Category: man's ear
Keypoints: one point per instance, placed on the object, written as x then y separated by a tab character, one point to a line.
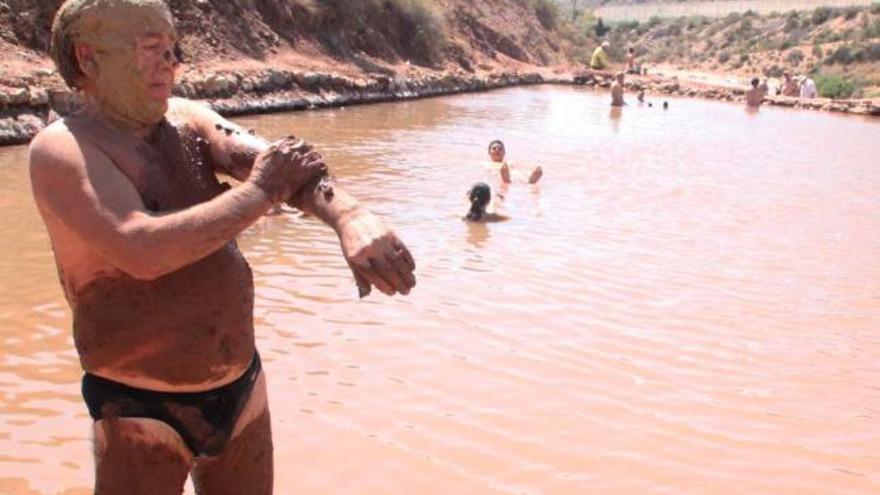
85	58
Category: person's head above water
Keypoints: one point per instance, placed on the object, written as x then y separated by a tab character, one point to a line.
755	82
497	151
120	53
479	195
621	76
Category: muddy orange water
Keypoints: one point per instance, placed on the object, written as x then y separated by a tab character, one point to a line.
689	303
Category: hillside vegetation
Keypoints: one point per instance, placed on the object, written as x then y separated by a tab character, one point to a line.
370	35
838	45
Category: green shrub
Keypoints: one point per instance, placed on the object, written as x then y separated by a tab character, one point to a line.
773	71
792	22
732	18
654	22
872	31
600	28
850	13
834	86
627	26
842	55
818	52
743	58
821	15
871	53
795	57
875	8
724	56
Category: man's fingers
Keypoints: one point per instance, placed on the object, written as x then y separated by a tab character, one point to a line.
401	250
371	274
387	272
401	268
363	284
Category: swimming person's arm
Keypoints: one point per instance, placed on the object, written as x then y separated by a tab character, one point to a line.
373	252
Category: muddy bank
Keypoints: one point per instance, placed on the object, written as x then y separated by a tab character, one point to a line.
656	85
25	111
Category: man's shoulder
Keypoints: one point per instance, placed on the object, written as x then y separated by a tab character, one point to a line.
182	110
54	141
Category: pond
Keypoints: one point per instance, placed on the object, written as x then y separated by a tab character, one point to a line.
689	302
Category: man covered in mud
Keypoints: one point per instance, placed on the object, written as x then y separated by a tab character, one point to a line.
144	240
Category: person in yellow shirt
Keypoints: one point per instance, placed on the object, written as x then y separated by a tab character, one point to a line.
599	60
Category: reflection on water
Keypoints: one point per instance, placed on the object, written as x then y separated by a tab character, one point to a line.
688	303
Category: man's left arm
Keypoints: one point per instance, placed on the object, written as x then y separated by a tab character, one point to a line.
373	251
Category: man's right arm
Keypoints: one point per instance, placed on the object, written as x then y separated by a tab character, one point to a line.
77	185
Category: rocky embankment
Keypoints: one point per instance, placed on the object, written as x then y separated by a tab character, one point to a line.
656	85
24	111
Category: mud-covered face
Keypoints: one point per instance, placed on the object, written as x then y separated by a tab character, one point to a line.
133	63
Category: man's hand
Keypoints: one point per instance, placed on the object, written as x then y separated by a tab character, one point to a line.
375	255
285	167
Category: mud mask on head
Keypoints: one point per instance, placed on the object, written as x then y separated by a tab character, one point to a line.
121	74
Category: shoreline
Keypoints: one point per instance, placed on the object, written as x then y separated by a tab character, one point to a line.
24	111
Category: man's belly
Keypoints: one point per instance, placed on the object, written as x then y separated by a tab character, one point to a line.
189	330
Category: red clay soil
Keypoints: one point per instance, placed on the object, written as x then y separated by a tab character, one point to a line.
348	37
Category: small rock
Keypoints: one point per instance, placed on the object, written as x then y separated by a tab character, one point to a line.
18	96
38	97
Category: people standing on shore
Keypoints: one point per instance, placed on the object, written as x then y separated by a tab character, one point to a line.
506	171
599	60
807	87
144	237
789	86
617	90
755	96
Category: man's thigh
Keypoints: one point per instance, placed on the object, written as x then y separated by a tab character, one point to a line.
246	464
139	456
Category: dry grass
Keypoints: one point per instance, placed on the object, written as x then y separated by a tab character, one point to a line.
717	8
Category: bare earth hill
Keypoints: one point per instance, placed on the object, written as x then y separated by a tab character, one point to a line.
365	35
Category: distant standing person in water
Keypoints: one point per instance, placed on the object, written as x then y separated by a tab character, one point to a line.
144	237
755	96
631	65
508	171
617	90
480	196
599	60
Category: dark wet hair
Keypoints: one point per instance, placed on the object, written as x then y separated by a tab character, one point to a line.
479	196
665	105
755	82
497	141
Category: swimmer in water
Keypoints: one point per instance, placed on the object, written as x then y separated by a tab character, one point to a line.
480	195
506	170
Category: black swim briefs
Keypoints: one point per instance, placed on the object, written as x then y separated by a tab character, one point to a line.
204	420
